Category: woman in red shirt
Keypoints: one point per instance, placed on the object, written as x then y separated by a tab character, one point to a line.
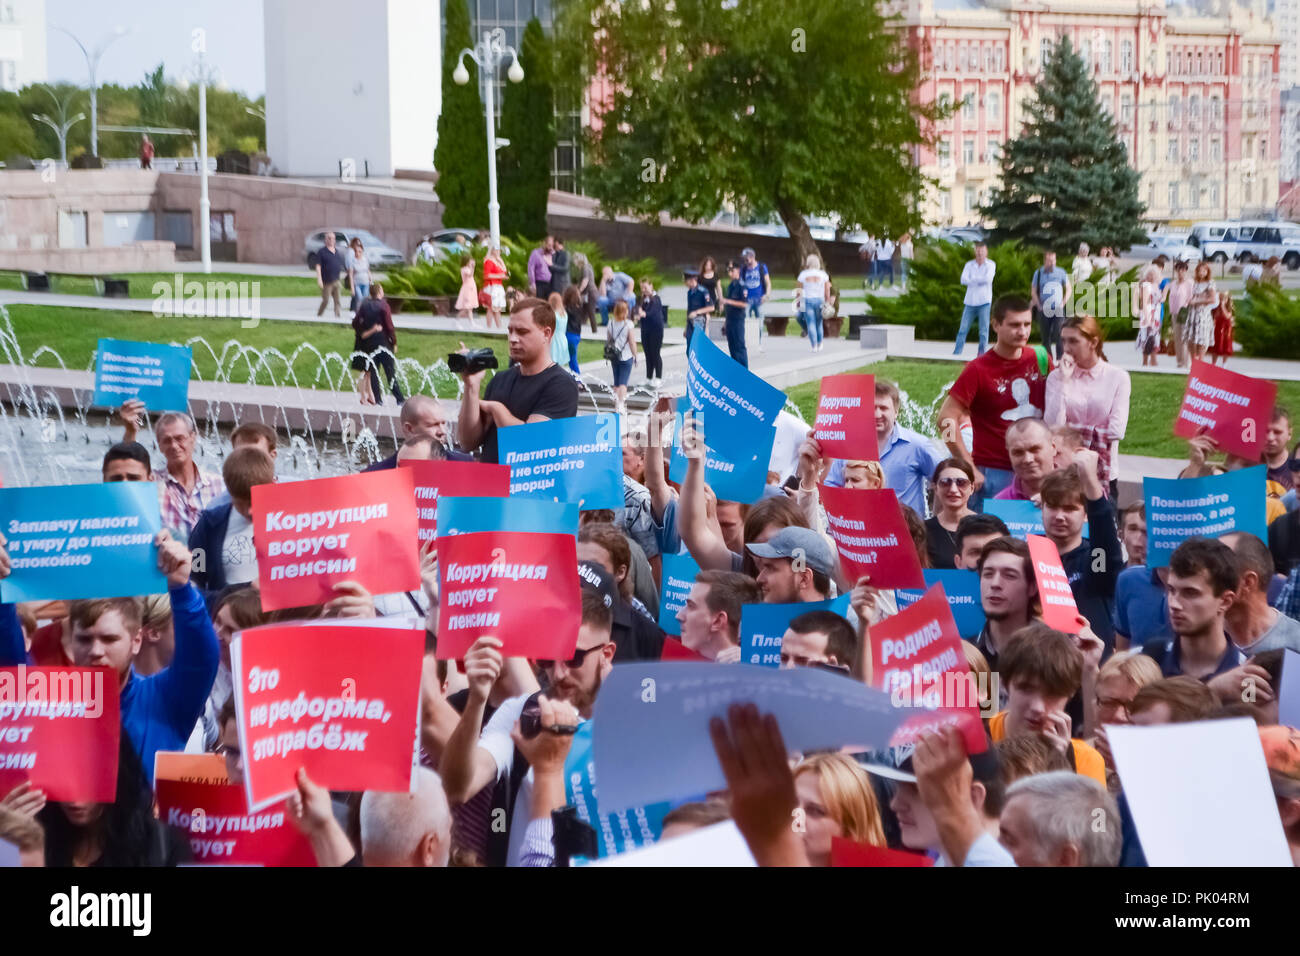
494	274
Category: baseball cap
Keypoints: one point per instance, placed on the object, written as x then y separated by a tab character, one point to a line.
1282	755
896	764
788	542
594	577
690	273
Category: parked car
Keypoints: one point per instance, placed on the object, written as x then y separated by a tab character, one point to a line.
970	234
1248	241
1172	245
378	252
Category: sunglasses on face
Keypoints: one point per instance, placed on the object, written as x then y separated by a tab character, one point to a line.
579	655
953	482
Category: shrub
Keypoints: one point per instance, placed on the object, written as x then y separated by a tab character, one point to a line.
1268	322
933	301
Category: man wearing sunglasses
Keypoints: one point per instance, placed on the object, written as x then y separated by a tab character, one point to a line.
477	756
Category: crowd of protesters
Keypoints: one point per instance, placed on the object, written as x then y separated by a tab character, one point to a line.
1156	645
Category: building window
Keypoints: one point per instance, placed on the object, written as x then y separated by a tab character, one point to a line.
945	154
1126	56
1214	194
1085	51
946	202
1126	107
968	152
1200	63
1044	51
988	59
1106	51
1169	61
1194	149
968	108
994	107
972	201
995	150
1194	110
1218	63
1154	151
1263	148
1216	111
1175	110
948	55
1216	149
1173	196
999	59
1171	155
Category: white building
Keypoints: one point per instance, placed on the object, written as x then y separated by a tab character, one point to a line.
352	86
22	43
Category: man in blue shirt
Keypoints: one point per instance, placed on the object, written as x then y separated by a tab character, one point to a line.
1141	608
1202	585
159	711
614	286
699	303
908	458
758	286
734	302
1049	290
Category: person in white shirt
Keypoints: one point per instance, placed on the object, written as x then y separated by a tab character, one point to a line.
885	260
905	257
813	282
977	277
1081	270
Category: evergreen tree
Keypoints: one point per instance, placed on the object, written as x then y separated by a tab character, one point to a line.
461	154
1066	178
528	121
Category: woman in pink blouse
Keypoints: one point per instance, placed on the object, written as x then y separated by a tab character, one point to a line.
1090	395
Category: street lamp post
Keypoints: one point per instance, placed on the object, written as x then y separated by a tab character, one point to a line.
203	76
490	52
92	63
62	125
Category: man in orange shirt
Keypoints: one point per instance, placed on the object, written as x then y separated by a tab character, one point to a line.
1041	669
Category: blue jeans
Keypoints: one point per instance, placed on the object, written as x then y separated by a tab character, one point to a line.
995	480
605	303
574	339
812	315
622	371
736	340
903	270
886	268
967	313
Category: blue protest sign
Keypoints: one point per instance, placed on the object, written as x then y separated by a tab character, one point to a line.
628	829
576	460
715	382
678	575
1182	508
1020	516
736	456
158	375
470	515
81	541
763	625
963	590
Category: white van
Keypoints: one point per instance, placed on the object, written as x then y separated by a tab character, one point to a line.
1248	241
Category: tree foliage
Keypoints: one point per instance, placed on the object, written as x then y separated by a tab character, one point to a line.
1066	178
798	107
461	153
1268	322
528	121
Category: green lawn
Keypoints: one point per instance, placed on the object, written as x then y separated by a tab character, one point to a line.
1154	403
142	283
74	334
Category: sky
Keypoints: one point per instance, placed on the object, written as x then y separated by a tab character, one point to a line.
160	31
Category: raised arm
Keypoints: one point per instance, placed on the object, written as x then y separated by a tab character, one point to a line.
186	682
472	422
704	543
951	415
661	493
465	767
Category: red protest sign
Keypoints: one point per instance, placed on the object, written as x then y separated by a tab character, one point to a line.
59	730
221	830
917	659
311	535
461	479
871	536
340	701
1232	408
189	768
846	417
1059	609
846	852
518	586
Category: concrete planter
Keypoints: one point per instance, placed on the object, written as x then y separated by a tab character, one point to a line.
776	324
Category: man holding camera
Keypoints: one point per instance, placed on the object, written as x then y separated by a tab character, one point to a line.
533	389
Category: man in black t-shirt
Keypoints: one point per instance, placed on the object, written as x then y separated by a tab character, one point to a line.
535	389
330	266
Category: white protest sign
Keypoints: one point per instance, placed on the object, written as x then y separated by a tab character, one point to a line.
1200	793
651	722
717	845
